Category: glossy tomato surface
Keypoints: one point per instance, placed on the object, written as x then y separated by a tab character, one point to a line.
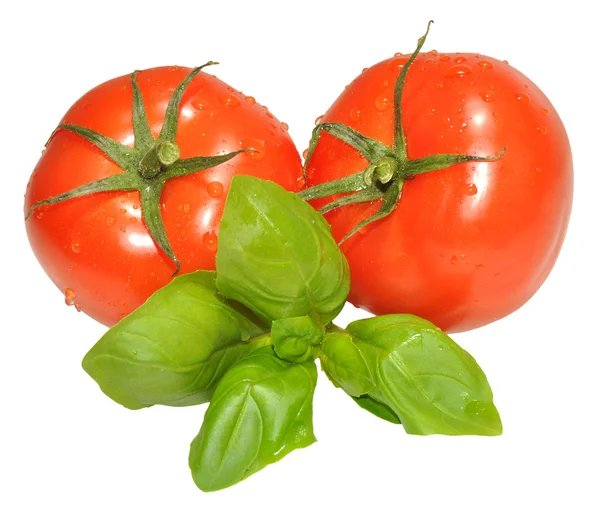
469	244
96	249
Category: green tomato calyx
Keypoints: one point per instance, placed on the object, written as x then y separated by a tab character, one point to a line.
147	166
388	168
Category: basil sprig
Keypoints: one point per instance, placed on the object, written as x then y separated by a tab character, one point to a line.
246	339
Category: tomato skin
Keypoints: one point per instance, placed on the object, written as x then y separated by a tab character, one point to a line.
96	248
469	244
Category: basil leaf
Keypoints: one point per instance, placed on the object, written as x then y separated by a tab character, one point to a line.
260	411
294	338
425	378
277	255
342	361
175	347
376	408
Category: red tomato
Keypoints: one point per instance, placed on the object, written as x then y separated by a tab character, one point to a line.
97	248
471	243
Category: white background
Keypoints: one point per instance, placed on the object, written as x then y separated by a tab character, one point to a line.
65	447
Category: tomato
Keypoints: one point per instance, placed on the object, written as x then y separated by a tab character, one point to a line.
469	243
97	248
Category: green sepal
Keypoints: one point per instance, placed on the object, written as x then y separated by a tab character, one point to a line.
147	166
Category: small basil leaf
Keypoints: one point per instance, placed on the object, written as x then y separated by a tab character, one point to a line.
429	382
294	338
175	347
260	411
277	255
376	408
342	361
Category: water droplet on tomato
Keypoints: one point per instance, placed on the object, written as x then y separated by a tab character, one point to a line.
250	99
382	103
488	96
258	145
485	65
210	240
544	111
478	266
496	273
110	221
186	208
542	130
76	245
285	126
444	58
305	154
453	259
459	59
458	70
123	229
522	98
318	120
123	211
471	189
432	52
69	297
300	183
354	114
397	62
215	189
229	100
199	104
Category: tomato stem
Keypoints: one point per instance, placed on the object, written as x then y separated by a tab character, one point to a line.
389	167
147	166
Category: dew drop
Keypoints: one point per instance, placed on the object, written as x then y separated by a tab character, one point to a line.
210	240
256	144
485	65
123	211
199	104
354	114
444	58
318	120
397	62
123	229
110	221
135	207
453	259
459	59
76	245
285	126
186	208
300	183
471	189
544	111
382	103
458	70
215	189
478	266
69	297
542	130
432	53
305	154
250	99
522	98
229	100
488	96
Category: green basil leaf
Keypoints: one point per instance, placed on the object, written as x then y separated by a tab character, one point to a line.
294	338
342	361
425	378
175	347
277	255
376	408
260	411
